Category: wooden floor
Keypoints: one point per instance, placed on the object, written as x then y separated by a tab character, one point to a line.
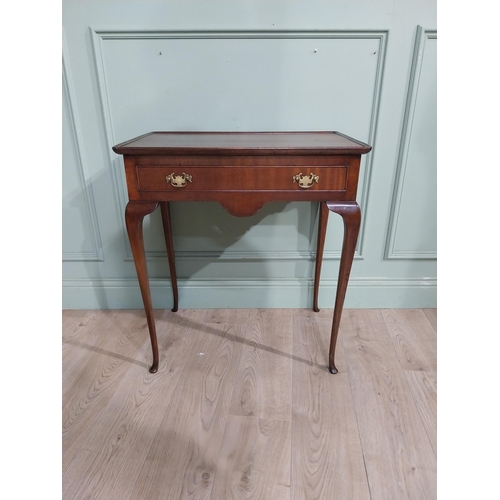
243	406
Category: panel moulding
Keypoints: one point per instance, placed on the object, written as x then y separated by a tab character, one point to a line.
418	55
84	175
100	35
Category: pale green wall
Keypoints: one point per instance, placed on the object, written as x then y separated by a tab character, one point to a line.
366	68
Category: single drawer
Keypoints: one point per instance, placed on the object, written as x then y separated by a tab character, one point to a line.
241	178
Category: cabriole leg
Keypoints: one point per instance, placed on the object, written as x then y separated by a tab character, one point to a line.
134	216
167	229
351	215
322	223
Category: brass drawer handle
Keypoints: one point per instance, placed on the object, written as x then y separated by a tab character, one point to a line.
179	181
305	181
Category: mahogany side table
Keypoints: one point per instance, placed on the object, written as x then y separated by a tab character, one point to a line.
242	171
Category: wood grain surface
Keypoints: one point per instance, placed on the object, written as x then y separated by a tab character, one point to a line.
243	406
327	460
263	387
432	317
182	460
423	386
413	338
255	460
126	427
399	459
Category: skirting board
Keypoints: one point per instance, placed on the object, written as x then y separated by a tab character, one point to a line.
215	294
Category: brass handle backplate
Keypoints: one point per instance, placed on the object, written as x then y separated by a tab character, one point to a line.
306	181
179	181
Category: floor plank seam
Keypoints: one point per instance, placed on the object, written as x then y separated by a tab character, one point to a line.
294	355
392	342
357	425
165	330
218	455
419	415
230	338
430	323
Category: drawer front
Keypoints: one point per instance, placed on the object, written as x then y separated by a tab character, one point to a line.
241	178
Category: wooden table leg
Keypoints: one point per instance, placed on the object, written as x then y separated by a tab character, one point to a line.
167	229
134	215
322	223
351	214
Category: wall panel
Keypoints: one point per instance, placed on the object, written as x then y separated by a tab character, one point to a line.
413	229
80	229
272	81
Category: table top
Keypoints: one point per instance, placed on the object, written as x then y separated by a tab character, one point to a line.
242	143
